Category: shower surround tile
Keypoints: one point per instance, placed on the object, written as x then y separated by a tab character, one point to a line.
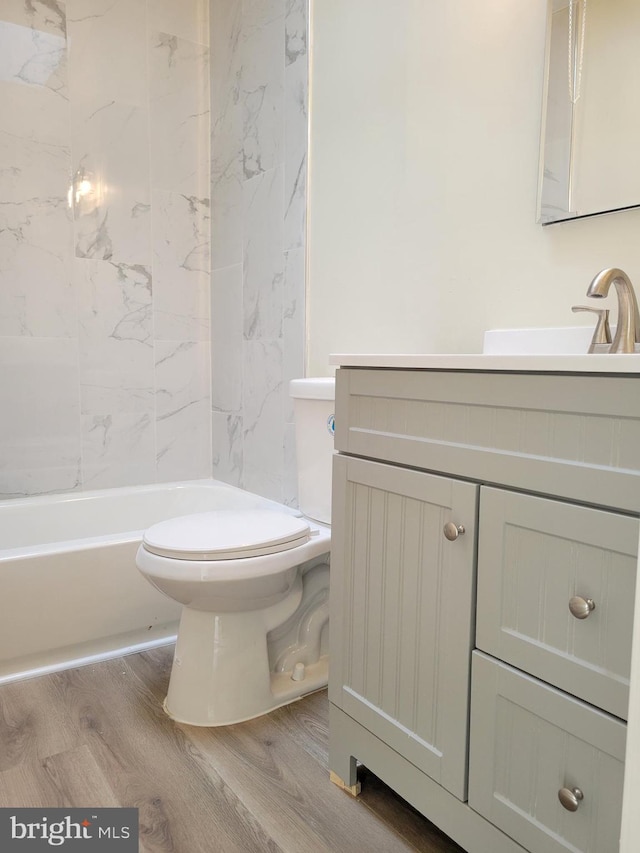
187	19
33	52
296	126
108	53
181	266
263	444
76	301
227	339
227	173
293	326
111	189
258	200
40	441
179	115
45	16
263	256
262	89
116	373
36	296
228	456
183	393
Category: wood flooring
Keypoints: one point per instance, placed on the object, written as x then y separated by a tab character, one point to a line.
97	736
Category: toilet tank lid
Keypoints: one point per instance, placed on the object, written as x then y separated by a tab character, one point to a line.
313	388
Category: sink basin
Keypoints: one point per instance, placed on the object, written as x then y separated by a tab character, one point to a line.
565	340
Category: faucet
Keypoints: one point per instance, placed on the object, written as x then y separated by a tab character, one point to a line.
628	329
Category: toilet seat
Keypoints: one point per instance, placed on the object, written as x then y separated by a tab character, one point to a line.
226	535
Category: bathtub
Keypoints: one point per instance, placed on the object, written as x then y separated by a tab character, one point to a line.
70	593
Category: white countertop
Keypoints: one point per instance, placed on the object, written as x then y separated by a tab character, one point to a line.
547	363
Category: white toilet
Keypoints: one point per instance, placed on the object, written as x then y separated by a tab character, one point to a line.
255	587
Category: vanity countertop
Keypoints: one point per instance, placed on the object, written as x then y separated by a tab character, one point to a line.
540	363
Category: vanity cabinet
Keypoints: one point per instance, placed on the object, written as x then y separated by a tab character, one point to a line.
403	612
484	559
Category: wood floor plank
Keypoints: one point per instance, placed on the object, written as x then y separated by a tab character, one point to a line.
290	796
27	785
31	724
78	778
147	760
98	736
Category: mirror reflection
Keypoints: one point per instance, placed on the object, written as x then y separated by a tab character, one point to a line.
591	120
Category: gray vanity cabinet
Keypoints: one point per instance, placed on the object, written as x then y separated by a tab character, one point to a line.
402	611
504	502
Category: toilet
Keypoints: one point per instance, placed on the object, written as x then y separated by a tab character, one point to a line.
254	585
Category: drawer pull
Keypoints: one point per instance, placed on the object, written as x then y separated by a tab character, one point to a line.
581	607
570	798
452	531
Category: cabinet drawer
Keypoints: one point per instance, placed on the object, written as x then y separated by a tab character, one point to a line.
535	555
528	741
577	437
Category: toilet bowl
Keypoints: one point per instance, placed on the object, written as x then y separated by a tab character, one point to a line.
254	586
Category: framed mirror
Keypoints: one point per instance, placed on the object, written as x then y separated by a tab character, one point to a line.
590	144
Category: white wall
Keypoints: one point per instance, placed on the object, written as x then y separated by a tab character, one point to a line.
425	123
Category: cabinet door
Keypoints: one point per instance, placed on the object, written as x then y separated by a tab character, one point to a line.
402	611
529	743
535	556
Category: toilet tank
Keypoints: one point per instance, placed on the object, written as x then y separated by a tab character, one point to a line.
313	403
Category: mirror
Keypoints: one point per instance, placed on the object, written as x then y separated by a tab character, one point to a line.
591	113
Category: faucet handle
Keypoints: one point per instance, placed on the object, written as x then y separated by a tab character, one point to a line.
602	331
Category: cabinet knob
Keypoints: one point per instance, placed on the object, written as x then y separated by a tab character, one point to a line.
581	607
570	798
452	531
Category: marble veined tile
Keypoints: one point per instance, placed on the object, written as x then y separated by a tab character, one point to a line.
226	428
263	426
226	338
296	121
117	450
33	57
179	115
181	266
107	55
263	256
36	290
47	16
183	410
40	442
262	84
296	31
295	159
116	373
227	172
187	19
289	470
36	233
111	189
293	326
115	333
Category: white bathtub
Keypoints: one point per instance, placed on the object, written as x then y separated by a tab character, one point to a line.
70	593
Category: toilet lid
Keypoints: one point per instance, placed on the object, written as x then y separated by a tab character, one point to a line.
226	535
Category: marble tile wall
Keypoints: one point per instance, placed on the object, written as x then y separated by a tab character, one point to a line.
104	243
258	199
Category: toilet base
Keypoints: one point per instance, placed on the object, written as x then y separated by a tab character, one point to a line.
234	666
284	690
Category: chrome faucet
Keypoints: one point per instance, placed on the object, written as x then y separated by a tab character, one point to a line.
627	336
